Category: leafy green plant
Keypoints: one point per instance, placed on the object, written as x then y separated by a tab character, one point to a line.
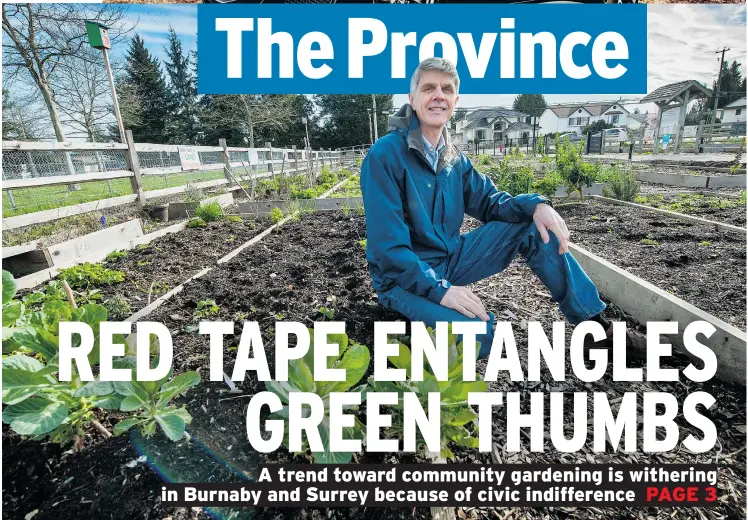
37	404
650	242
511	178
484	160
276	215
118	308
548	184
354	359
569	163
115	255
209	212
83	275
705	243
152	401
742	197
196	222
52	291
234	218
362	243
206	309
327	313
621	185
456	413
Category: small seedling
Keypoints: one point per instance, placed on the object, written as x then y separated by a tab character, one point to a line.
327	313
278	316
231	238
206	309
159	287
705	243
234	218
650	242
196	223
210	212
115	255
143	263
118	307
594	217
362	243
240	316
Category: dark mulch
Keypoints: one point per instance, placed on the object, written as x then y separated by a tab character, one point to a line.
169	260
700	264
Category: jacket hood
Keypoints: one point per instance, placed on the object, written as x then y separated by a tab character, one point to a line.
406	120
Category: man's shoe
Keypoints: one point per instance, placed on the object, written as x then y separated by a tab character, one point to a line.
636	343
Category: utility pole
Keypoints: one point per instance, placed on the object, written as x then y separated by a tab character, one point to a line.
374	111
719	78
371	136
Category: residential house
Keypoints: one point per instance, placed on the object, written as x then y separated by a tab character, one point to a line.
732	112
492	124
572	117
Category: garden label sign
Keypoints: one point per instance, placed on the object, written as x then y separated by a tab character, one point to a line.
189	158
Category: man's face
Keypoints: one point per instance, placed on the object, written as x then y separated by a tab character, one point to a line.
434	99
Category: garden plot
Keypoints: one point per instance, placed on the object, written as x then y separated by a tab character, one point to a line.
127	280
701	265
315	262
715	208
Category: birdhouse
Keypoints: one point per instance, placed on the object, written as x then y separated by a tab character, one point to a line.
97	35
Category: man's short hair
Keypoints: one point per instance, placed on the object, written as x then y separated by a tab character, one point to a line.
437	64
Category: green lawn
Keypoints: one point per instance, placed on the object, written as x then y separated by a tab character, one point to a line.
29	200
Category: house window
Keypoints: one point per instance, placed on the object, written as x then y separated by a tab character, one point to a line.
738	111
579	121
479	134
613	119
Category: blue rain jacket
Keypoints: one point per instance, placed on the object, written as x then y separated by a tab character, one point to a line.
414	213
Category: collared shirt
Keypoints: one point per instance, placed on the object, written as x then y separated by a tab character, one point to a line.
432	154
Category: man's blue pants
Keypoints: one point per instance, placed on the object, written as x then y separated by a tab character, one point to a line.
488	250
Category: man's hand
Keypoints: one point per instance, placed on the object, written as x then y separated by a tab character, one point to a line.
464	301
546	218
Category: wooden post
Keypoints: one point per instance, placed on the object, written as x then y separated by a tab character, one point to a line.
295	161
589	134
656	142
226	159
270	168
700	137
681	122
134	163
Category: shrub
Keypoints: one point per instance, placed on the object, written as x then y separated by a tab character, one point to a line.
484	160
276	215
621	185
576	173
117	307
196	223
512	179
83	275
210	212
548	184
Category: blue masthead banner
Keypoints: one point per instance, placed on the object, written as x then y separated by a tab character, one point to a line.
362	49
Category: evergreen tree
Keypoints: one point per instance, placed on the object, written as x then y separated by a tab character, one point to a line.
182	127
143	75
531	104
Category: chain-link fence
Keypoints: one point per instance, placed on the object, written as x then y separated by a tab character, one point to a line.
18	164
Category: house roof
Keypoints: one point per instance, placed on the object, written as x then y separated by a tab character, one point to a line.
639	117
477	123
667	93
520	127
493	113
567	109
738	103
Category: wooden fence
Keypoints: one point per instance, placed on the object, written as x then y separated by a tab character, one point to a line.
104	175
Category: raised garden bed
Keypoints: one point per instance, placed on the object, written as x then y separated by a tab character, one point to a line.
716	208
699	264
155	268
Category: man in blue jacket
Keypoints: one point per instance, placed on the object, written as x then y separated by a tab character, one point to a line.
417	187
